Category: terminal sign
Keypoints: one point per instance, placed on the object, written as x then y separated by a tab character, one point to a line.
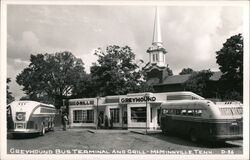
138	99
81	103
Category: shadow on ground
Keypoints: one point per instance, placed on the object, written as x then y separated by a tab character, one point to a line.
22	136
181	140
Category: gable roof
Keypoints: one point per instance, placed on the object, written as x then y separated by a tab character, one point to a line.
176	79
179	79
153	81
150	66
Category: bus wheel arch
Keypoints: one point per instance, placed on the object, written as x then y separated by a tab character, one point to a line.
42	133
52	127
164	131
193	135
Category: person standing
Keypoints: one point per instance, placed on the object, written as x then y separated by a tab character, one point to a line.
64	121
106	122
99	120
111	122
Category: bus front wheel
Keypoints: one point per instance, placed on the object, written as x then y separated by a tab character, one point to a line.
193	136
52	127
42	133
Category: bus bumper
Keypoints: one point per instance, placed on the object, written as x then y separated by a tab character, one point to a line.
225	137
23	131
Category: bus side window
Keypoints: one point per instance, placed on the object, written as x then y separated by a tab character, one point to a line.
234	110
174	111
239	110
178	112
190	112
165	111
199	112
170	111
183	112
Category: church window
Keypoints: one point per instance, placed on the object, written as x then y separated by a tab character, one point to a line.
157	57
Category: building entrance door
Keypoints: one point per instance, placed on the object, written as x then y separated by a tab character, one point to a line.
124	117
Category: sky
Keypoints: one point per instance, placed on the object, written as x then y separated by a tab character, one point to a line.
190	34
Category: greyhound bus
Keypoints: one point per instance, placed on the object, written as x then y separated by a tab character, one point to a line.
203	119
30	117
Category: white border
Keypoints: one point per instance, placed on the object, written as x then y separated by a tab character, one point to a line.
246	71
3	59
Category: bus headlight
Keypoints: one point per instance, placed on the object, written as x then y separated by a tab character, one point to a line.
20	116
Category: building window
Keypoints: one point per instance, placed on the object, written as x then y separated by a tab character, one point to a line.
115	115
138	114
83	116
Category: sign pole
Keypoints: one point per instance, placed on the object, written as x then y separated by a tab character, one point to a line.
97	98
146	99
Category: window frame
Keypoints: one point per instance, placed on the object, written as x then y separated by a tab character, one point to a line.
140	119
115	115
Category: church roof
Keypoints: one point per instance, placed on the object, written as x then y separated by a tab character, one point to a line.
153	81
179	79
150	66
176	79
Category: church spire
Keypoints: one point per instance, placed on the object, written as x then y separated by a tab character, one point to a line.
157	51
157	30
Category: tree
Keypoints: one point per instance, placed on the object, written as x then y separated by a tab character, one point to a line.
197	82
51	77
84	88
230	59
116	72
169	71
186	71
10	98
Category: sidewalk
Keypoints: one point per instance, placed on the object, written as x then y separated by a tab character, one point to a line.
92	130
143	131
108	131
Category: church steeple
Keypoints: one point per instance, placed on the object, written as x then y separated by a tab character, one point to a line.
156	51
157	30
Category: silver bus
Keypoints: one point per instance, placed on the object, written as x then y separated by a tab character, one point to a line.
30	117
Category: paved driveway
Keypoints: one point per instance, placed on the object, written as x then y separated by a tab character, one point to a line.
74	140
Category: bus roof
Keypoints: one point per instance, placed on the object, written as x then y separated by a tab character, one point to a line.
30	104
186	103
184	93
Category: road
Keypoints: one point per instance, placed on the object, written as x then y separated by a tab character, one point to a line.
80	141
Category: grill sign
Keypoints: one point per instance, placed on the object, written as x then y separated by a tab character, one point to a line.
138	99
82	103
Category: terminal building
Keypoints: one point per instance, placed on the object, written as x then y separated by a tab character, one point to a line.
137	110
131	111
